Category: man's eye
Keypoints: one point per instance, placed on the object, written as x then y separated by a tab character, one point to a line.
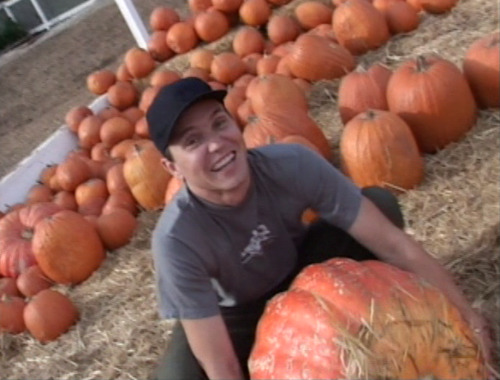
221	122
191	141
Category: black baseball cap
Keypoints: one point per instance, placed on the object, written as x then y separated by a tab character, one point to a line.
171	101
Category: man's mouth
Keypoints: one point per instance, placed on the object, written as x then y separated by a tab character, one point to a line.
224	161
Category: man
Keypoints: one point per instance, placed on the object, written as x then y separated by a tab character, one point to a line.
233	236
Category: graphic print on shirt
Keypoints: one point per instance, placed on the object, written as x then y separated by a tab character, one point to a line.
260	235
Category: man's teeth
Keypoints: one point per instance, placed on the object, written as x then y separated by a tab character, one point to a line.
224	162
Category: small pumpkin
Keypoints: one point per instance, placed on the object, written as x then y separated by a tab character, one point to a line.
39	193
139	62
114	130
100	81
11	314
211	25
282	28
481	65
164	77
378	149
255	12
359	26
123	95
75	115
33	281
227	6
88	131
201	58
8	287
67	247
72	172
49	314
437	6
227	67
162	18
310	14
146	177
158	48
116	228
182	37
401	17
248	40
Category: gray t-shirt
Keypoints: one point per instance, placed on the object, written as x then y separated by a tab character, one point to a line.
208	256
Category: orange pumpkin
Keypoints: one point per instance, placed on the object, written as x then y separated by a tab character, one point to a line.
72	172
282	28
39	193
11	315
158	48
181	37
277	92
163	77
33	281
401	17
146	177
378	149
481	66
363	89
343	319
227	6
67	247
16	234
100	81
248	40
116	228
88	131
65	200
123	95
211	25
199	5
162	18
116	129
310	14
314	58
419	92
227	67
359	26
8	287
75	115
139	62
437	6
201	58
255	12
49	314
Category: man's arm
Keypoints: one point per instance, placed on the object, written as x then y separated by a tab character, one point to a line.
211	345
372	229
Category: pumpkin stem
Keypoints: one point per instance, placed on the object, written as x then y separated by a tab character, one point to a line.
422	64
370	114
27	233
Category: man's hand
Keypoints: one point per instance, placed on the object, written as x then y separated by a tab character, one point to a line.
211	345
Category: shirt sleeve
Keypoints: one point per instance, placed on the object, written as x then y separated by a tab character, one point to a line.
334	196
184	288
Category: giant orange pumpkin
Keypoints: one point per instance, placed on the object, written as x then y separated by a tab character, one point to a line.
420	92
378	149
17	229
343	319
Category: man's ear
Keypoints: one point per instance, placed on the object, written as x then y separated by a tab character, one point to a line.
171	167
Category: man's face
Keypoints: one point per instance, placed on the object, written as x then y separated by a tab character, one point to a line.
209	153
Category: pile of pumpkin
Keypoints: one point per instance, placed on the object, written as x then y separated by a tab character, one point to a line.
88	203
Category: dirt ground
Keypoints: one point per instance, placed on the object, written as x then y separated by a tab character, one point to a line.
42	79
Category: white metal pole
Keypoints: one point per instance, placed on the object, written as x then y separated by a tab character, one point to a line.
41	14
134	22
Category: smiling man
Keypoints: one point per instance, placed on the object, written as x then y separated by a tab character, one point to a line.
233	236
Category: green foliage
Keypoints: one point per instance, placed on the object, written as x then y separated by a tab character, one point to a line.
10	32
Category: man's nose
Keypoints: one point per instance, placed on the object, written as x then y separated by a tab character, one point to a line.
214	142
